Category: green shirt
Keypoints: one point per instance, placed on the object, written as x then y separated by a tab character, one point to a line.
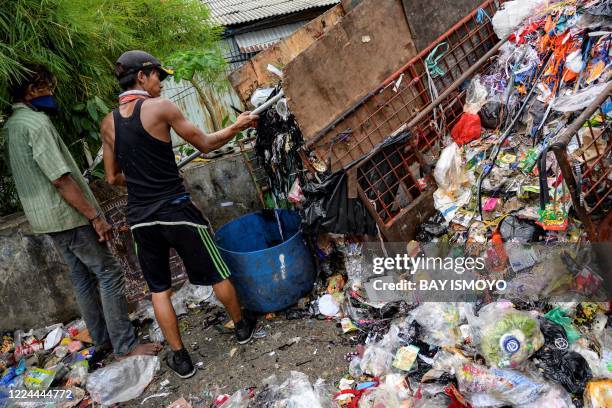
37	157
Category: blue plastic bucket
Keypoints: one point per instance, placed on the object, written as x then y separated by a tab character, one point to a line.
270	273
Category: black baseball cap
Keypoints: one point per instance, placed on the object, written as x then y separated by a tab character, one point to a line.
133	61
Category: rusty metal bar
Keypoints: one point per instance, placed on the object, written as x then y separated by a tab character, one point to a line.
559	148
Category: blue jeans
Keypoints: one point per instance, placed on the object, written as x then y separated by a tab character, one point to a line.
99	284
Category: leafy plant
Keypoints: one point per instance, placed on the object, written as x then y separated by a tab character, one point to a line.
79	40
197	67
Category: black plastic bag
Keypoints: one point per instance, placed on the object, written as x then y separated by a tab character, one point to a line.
557	363
523	231
327	208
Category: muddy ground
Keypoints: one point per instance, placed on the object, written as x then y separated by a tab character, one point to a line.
315	347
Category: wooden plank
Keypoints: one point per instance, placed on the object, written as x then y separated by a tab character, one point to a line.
254	74
347	62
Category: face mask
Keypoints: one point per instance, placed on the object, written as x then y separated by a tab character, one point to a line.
46	104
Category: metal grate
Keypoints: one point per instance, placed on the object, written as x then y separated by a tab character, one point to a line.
257	172
587	170
122	247
399	98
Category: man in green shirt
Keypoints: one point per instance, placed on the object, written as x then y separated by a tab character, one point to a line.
57	201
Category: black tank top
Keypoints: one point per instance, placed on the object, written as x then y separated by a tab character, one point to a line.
149	167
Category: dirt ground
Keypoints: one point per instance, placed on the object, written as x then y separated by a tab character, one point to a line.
314	347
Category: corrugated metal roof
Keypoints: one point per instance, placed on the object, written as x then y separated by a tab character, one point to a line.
261	39
231	12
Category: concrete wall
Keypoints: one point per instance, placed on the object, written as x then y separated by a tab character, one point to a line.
35	289
222	189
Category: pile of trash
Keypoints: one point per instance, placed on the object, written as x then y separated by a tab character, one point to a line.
60	363
496	186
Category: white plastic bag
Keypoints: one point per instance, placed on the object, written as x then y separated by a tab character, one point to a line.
260	96
512	13
449	173
189	293
476	97
376	361
453	182
440	322
123	380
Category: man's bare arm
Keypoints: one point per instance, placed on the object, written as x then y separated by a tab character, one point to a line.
72	193
204	142
113	172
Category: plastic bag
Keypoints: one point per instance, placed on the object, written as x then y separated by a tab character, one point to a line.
512	13
505	336
440	322
579	100
392	393
295	392
452	180
260	96
554	397
296	196
376	360
476	96
598	394
466	129
190	293
449	172
494	387
38	378
240	399
558	316
123	380
78	373
558	363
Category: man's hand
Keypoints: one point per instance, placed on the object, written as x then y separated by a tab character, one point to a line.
102	228
246	120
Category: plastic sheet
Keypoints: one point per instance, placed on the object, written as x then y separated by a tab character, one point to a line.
123	380
579	100
505	336
484	387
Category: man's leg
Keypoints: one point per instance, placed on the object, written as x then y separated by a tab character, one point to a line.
166	318
226	293
154	258
86	289
100	261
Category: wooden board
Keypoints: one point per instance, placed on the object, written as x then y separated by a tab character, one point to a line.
254	74
347	62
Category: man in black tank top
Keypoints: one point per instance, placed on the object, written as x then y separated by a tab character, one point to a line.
138	154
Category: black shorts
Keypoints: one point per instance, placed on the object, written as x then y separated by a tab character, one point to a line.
182	227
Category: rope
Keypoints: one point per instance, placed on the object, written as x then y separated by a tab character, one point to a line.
433	71
431	62
481	14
